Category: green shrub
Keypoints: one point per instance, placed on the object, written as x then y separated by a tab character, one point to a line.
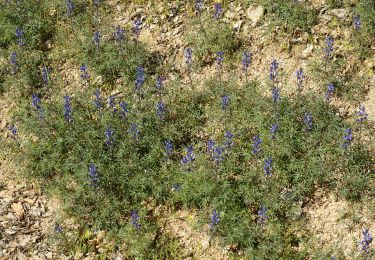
33	17
131	172
290	14
207	36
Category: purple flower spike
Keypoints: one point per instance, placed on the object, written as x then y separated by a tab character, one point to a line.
137	26
215	218
13	132
160	110
68	109
69	7
97	37
220	59
225	100
262	215
273	70
330	90
307	120
218	11
357	22
93	176
198	6
362	115
256	145
300	75
168	146
246	60
119	34
109	133
140	78
188	56
348	138
189	157
268	167
135	219
20	36
366	241
274	129
328	49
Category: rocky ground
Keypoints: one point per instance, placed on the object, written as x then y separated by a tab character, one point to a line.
27	217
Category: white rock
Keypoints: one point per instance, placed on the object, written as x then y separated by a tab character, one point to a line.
308	51
340	13
255	13
237	26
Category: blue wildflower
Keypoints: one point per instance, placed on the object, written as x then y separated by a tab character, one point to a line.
20	36
134	131
188	56
246	60
69	7
58	228
256	145
218	11
140	78
135	219
109	134
36	103
262	215
274	129
330	90
97	37
160	110
124	109
13	61
160	83
119	34
137	26
215	218
45	75
93	176
307	120
300	78
229	142
218	154
112	103
68	109
13	131
168	146
357	22
268	167
198	6
210	146
362	115
273	71
189	157
96	3
328	49
275	95
219	58
176	187
348	138
84	74
225	100
366	241
98	99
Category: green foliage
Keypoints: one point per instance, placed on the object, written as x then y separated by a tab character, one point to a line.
33	17
366	10
113	60
208	36
134	171
290	14
27	78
